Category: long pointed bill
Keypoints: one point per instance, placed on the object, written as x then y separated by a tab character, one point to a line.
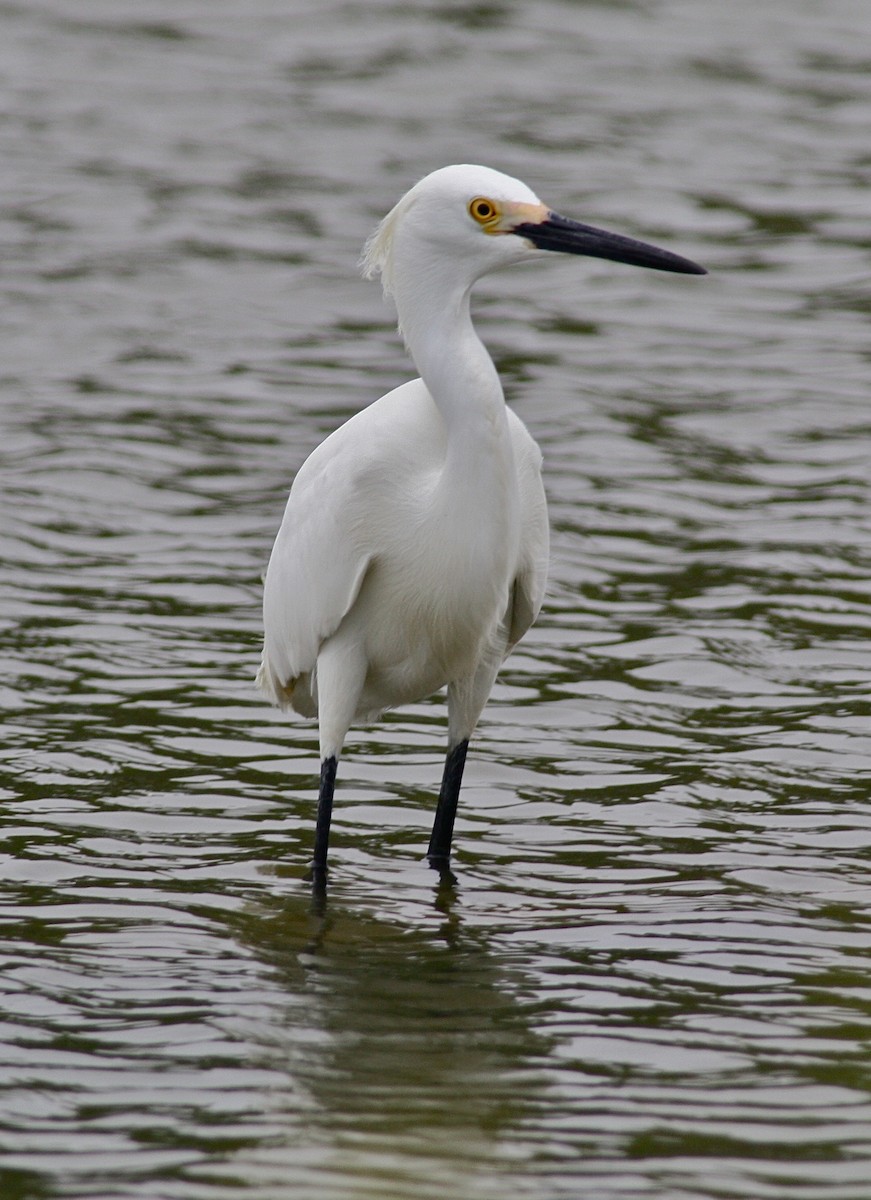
571	237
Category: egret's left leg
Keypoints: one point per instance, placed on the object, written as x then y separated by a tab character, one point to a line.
339	677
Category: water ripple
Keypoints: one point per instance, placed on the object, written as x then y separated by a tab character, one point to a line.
649	979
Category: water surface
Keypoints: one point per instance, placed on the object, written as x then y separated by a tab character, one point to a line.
651	979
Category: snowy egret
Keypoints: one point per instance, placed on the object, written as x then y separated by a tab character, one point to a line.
414	545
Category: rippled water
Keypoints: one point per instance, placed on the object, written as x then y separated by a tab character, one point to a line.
651	980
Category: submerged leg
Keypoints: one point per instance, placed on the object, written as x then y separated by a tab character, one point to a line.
325	812
466	699
443	827
339	678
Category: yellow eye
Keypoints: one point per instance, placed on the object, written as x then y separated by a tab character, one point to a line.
483	211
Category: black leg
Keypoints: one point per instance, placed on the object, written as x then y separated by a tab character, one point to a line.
325	812
443	828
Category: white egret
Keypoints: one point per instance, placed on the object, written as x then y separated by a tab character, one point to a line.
414	545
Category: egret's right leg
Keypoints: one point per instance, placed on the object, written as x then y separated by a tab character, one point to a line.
466	700
339	678
325	813
439	852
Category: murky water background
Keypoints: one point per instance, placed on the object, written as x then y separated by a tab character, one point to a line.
652	980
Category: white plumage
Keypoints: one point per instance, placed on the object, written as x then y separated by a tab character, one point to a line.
414	546
409	569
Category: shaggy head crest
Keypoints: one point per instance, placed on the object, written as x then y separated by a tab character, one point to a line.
377	256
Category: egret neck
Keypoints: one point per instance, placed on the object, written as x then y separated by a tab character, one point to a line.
479	476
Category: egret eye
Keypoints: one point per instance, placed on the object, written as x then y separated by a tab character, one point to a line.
483	211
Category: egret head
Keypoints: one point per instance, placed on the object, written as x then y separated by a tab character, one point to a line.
475	219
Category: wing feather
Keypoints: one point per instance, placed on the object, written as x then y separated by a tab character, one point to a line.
328	537
531	577
314	575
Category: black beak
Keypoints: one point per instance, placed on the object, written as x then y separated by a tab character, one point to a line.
571	237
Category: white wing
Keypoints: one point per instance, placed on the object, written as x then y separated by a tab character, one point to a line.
312	580
329	532
467	696
531	577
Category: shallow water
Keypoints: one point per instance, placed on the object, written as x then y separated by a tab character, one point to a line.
651	979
